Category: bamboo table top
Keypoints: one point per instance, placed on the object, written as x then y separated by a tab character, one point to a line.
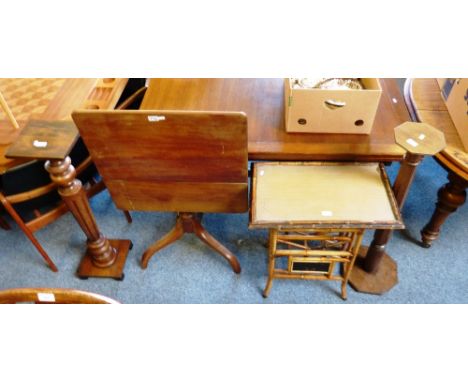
424	97
51	99
323	195
262	100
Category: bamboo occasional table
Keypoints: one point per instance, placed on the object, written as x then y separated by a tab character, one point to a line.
425	102
317	216
53	141
262	99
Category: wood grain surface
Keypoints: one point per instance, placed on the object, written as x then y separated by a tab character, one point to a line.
262	99
183	161
425	97
51	99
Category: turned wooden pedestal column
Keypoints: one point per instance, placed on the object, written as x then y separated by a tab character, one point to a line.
375	272
52	141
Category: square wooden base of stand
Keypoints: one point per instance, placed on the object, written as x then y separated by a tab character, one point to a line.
115	271
379	283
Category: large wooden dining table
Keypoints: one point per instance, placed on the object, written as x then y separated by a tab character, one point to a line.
263	100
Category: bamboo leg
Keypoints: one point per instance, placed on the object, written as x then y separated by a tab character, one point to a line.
175	234
356	247
344	291
27	232
271	262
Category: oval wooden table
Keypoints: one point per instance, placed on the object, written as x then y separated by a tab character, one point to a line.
425	103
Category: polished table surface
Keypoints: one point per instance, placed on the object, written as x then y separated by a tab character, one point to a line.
263	101
426	99
51	99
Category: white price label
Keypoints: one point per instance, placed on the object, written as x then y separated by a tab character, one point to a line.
46	297
40	144
156	118
412	142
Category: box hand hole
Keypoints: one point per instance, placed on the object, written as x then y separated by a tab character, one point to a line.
359	122
334	104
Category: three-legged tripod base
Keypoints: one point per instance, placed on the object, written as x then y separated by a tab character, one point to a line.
188	222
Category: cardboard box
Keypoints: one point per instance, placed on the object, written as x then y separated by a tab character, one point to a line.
332	111
455	95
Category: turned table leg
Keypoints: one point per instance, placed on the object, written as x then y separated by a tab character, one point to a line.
451	197
103	258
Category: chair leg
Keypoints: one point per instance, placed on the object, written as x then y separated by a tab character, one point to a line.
176	233
206	237
128	217
27	232
4	224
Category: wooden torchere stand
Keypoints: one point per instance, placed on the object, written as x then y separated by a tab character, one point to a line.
52	141
375	272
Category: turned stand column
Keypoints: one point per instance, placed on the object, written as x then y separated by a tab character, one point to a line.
63	174
405	177
52	141
375	272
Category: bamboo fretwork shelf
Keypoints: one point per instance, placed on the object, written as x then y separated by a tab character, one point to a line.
313	255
